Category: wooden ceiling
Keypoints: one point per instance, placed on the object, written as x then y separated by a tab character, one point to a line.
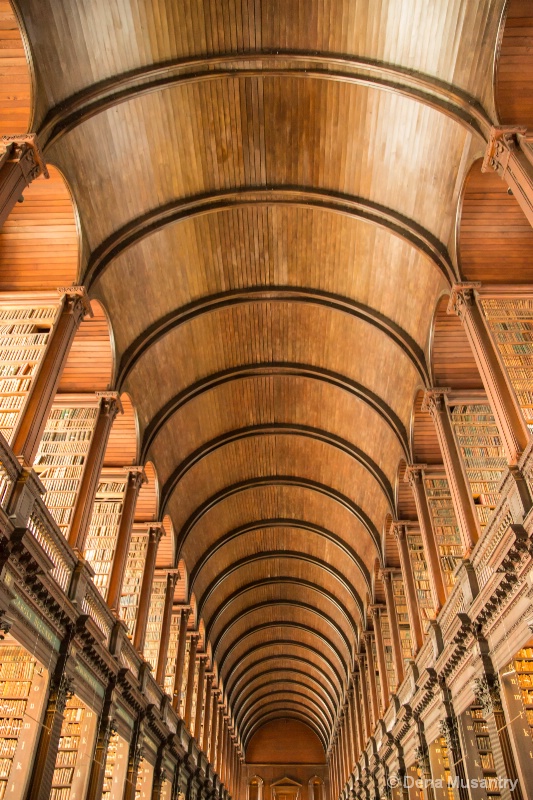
267	194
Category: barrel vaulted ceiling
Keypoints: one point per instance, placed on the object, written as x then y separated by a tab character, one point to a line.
267	194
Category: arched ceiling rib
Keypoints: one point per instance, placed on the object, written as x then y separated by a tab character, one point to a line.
266	202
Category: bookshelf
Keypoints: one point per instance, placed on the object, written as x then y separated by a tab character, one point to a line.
25	330
389	657
131	588
62	453
195	694
445	525
510	322
155	620
523	664
170	670
110	764
420	573
484	456
484	749
103	530
442	751
184	679
403	616
69	749
17	668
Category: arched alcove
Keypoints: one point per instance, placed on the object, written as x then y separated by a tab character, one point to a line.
514	66
285	741
148	500
89	365
16	88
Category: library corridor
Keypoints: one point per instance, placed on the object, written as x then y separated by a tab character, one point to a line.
266	399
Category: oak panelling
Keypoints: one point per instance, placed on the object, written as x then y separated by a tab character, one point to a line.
426	448
166	557
89	365
263	332
406	508
122	445
392	557
282	740
265	245
94	42
270	400
39	240
452	360
15	77
514	68
181	591
495	238
284	127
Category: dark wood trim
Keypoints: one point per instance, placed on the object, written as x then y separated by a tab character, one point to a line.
272	480
286	624
270	673
290	369
285	581
342	683
285	604
266	555
280	522
299	196
460	106
311	714
280	429
232	684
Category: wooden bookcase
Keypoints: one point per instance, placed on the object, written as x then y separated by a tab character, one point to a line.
155	620
195	693
483	453
484	748
62	453
25	327
377	675
185	678
403	616
170	670
389	657
420	572
510	320
110	764
523	664
442	749
445	526
72	731
102	538
131	587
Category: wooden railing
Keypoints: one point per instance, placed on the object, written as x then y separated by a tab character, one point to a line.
9	472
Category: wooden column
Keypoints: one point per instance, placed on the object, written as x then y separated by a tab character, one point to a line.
342	752
220	728
415	475
214	719
190	682
29	432
380	650
346	736
21	162
200	699
500	393
367	637
364	696
180	658
40	785
207	714
351	730
106	727
352	700
467	519
400	533
358	710
83	510
505	156
155	531
162	655
135	756
397	654
136	478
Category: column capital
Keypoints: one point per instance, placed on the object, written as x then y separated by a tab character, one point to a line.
155	532
110	403
414	474
462	297
24	148
434	401
376	609
399	531
76	301
502	141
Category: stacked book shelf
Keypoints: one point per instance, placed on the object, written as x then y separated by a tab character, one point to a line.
420	572
377	675
170	670
183	695
511	324
24	334
110	763
483	453
403	616
389	657
484	748
155	620
133	576
195	693
523	664
445	526
442	750
61	457
102	538
69	745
